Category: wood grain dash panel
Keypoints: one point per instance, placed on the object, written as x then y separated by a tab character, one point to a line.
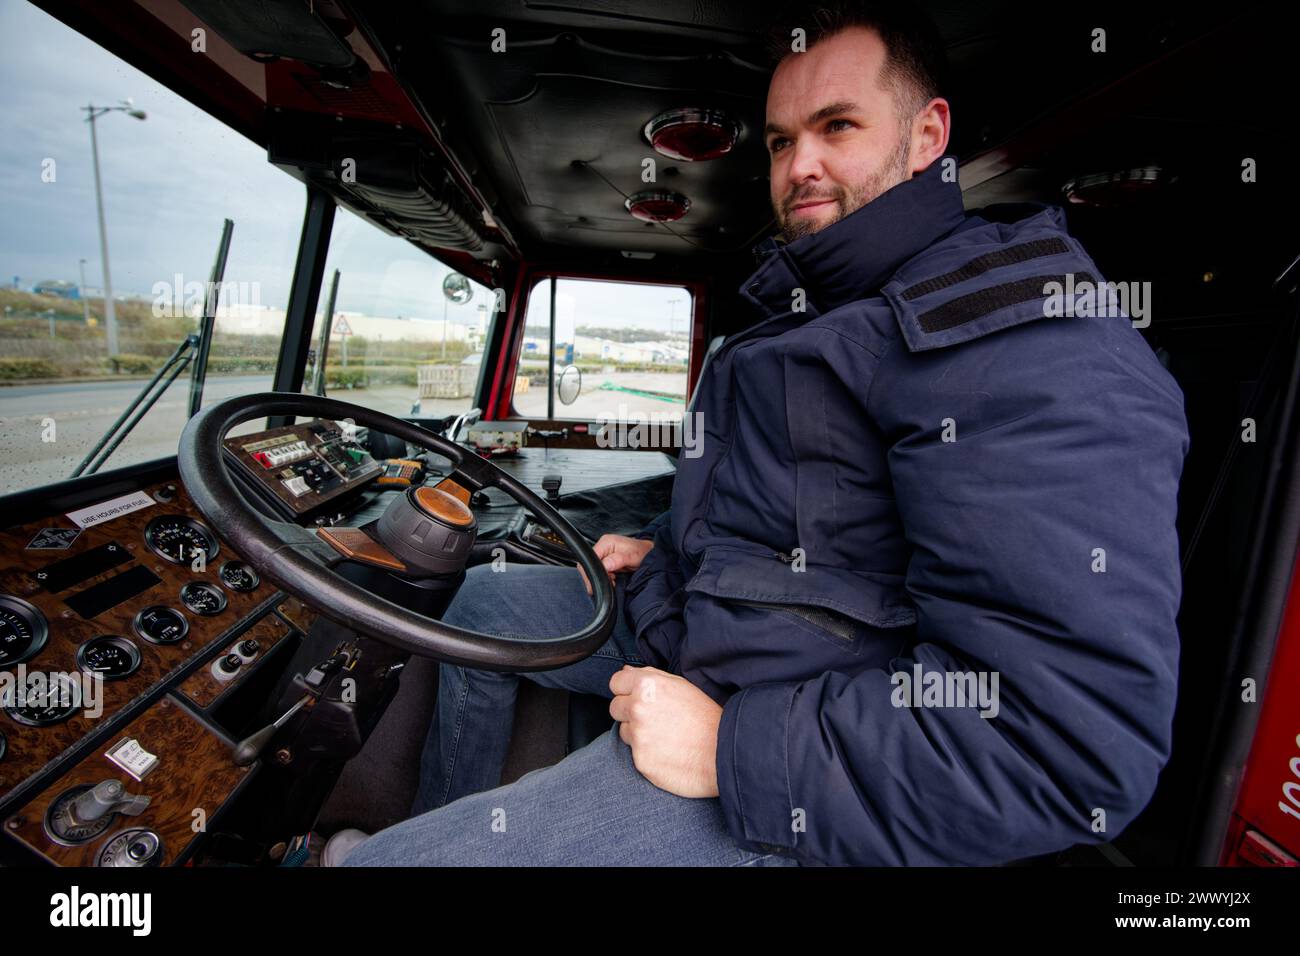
195	771
204	689
32	748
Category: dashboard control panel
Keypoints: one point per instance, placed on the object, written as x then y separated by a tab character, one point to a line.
108	603
132	801
301	468
126	624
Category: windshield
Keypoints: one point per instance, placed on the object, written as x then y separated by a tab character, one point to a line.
169	175
398	342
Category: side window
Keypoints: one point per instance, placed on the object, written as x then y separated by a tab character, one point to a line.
629	341
406	333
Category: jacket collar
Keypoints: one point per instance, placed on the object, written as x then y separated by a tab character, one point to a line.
850	259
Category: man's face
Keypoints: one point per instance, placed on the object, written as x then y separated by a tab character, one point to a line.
833	133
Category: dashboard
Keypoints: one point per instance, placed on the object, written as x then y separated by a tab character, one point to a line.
125	625
137	646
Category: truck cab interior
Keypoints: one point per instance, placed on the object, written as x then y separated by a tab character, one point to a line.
464	267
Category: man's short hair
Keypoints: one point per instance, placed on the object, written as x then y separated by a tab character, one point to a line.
916	64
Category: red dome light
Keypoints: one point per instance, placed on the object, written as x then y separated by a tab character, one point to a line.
655	206
1117	188
692	134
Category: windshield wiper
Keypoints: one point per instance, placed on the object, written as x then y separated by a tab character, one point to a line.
177	362
322	348
192	352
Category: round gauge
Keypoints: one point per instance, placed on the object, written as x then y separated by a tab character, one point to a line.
61	700
239	576
178	538
22	630
112	656
203	598
161	624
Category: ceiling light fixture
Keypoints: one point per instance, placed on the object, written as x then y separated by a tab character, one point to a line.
657	206
692	134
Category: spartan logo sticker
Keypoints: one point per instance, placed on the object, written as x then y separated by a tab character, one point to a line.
53	539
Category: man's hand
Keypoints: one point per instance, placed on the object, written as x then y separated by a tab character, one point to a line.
671	726
618	553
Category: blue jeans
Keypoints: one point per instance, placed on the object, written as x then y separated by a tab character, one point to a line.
593	808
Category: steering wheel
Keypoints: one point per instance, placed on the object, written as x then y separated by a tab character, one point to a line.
303	563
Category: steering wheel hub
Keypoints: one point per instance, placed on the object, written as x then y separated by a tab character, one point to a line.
429	529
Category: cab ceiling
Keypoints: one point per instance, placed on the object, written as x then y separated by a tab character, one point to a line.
555	121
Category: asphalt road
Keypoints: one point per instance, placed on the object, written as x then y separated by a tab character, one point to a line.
82	411
34	453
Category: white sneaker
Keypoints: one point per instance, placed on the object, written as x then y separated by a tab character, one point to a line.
340	845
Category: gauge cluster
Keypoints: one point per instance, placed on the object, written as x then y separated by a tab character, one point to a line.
137	637
132	593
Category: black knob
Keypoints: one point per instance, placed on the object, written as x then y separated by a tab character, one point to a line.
551	485
249	647
230	663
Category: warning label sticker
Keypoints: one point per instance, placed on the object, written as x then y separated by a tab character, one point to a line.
113	508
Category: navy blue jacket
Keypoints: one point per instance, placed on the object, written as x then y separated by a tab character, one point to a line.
922	471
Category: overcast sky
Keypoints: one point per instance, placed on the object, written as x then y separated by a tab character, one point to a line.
168	183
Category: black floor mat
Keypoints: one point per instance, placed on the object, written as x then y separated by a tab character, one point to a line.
378	785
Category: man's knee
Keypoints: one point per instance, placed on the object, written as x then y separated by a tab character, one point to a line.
456	683
524	601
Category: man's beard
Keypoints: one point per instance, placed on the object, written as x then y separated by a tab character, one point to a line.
893	172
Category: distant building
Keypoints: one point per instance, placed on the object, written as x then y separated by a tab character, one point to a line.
659	353
64	290
251	319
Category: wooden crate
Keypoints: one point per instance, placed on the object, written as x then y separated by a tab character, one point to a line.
446	381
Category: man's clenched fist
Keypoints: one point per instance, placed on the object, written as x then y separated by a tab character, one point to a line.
671	726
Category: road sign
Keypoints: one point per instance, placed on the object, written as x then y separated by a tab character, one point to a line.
341	326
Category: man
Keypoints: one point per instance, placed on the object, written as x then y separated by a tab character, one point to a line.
915	601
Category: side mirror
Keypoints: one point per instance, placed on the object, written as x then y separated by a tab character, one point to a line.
457	288
569	384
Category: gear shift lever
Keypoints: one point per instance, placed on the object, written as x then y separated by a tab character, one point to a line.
251	747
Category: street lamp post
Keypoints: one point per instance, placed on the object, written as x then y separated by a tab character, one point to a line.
85	303
93	113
